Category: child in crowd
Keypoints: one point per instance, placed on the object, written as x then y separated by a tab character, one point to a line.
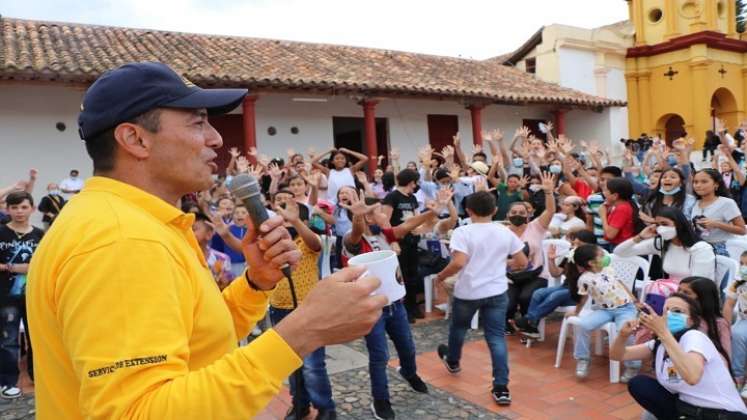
589	275
218	262
480	253
316	388
237	229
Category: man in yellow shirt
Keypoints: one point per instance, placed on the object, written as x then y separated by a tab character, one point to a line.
126	319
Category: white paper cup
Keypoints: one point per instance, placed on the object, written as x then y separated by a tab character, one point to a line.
385	266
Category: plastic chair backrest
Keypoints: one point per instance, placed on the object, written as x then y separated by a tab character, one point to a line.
735	247
724	266
561	248
626	269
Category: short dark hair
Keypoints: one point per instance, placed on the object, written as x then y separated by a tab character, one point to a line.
407	176
481	203
612	170
17	197
481	154
514	176
102	147
441	173
202	217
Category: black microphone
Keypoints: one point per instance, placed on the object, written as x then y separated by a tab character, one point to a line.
246	188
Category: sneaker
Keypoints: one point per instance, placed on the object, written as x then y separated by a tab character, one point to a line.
582	368
743	392
415	382
443	353
10	392
628	374
510	330
382	409
291	414
501	395
326	414
527	327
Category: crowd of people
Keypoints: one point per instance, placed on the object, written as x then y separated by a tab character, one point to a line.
479	224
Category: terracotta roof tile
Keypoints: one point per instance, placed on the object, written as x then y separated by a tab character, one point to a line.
71	52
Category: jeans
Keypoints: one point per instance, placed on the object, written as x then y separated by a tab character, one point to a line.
493	315
546	300
9	348
596	319
393	322
653	397
316	387
738	348
521	295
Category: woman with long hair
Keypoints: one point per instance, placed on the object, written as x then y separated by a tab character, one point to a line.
570	218
713	324
339	171
692	377
619	213
670	191
715	215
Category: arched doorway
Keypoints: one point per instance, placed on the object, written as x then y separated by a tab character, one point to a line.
672	126
724	107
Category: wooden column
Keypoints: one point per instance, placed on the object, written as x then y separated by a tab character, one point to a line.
476	113
369	121
250	123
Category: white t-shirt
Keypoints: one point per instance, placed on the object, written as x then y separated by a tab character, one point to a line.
679	262
338	179
722	210
561	222
488	246
715	388
71	184
604	287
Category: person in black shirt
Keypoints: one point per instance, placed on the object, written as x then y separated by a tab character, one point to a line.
400	205
18	241
51	204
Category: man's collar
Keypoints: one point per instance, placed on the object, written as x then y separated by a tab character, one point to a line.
156	206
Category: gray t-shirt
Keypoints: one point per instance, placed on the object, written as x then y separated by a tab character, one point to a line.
723	210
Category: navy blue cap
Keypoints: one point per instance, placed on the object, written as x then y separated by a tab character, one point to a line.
133	89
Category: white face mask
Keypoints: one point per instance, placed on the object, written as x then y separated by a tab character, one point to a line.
535	187
667	232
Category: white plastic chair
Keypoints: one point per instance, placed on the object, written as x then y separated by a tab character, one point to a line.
610	328
431	292
735	247
327	243
626	270
725	267
561	248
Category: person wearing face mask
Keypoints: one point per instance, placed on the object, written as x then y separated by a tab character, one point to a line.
692	378
589	276
736	303
682	252
570	218
51	204
400	205
522	284
669	191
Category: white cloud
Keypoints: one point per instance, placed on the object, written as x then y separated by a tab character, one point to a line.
468	28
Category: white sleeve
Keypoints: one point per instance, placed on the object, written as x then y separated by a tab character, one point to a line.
697	342
702	260
459	241
583	284
516	244
730	211
630	249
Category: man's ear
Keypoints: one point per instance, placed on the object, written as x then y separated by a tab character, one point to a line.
132	141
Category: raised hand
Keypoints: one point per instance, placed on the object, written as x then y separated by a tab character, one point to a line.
524	182
720	125
497	135
33	173
234	152
628	328
311	152
242	164
549	126
252	152
290	152
552	252
425	155
358	205
648	232
362	177
456	140
447	152
290	213
548	182
476	149
443	197
275	171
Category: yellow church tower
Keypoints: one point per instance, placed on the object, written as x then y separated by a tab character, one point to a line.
688	65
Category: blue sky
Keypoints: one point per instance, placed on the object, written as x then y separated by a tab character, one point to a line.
467	28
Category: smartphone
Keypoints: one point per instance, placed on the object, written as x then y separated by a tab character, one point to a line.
656	302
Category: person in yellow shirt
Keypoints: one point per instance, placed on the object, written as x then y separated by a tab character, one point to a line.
126	319
314	387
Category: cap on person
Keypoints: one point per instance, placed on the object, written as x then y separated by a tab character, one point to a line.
133	89
479	167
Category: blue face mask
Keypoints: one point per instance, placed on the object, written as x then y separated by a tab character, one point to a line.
518	162
556	169
375	229
676	322
672	192
672	161
743	271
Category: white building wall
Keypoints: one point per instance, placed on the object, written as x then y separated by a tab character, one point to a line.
577	69
29	113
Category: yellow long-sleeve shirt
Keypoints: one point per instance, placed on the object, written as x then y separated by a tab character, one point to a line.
127	322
